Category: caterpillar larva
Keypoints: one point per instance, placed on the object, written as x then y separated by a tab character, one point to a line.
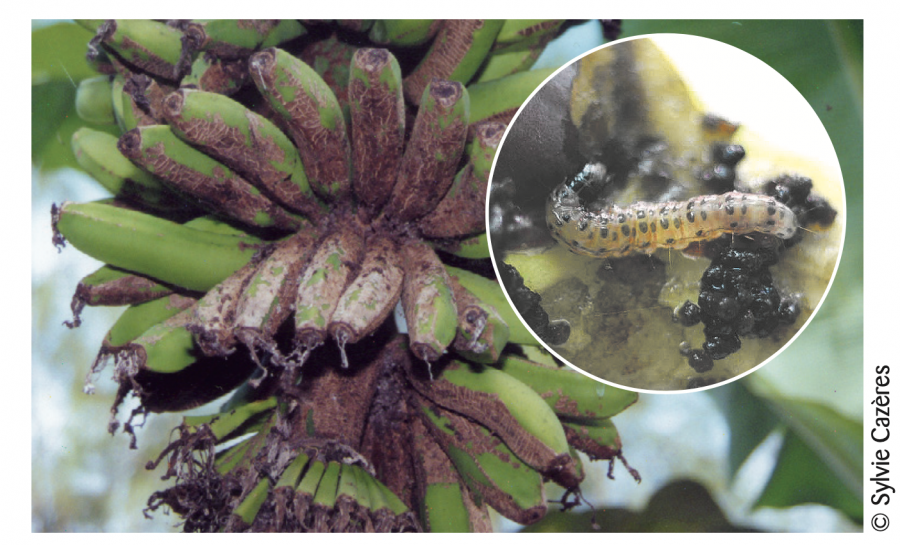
618	231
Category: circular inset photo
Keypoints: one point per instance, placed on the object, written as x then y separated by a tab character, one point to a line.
666	213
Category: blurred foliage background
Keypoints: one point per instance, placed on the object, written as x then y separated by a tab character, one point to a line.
780	450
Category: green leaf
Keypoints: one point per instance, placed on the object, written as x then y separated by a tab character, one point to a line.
679	506
821	460
57	65
801	476
749	420
58	54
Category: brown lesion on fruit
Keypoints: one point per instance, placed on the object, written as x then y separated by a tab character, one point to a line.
451	44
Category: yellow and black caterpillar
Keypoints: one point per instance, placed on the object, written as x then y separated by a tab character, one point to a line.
617	231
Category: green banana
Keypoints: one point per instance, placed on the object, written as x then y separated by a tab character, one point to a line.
147	245
285	30
306	491
461	211
239	457
600	440
139	318
268	298
108	286
428	302
228	460
215	313
290	477
346	504
458	50
445	509
216	224
441	494
214	75
312	115
150	45
128	114
157	150
326	495
234	38
498	100
492	473
571	394
320	287
93	101
378	118
371	296
514	58
510	409
518	30
224	425
148	93
473	247
130	325
491	293
435	146
246	142
482	334
167	347
97	153
389	513
251	503
164	368
403	32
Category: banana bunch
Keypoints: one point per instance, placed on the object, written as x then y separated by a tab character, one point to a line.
268	216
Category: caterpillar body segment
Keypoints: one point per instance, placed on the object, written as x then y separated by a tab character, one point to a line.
644	227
